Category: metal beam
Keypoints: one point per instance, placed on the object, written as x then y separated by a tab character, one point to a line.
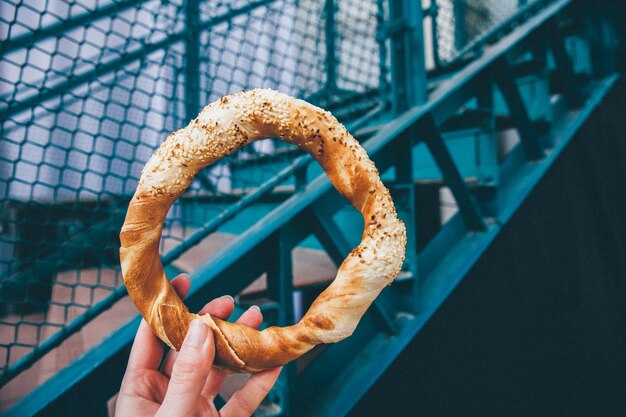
507	84
330	31
328	233
408	68
337	246
449	257
280	274
564	66
403	193
459	83
467	205
29	38
192	59
473	47
280	289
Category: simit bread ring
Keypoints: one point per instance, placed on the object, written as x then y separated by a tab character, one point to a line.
220	129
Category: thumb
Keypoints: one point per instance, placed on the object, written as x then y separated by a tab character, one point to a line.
190	372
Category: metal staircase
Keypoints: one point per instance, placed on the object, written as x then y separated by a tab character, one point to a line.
486	125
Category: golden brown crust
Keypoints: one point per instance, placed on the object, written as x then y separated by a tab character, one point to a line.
220	129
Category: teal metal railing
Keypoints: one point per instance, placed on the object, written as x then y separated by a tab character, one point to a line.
55	229
88	91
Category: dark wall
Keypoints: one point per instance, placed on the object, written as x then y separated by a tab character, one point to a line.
537	328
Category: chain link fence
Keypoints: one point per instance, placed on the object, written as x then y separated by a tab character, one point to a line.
89	88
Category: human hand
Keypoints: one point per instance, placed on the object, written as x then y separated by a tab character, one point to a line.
187	383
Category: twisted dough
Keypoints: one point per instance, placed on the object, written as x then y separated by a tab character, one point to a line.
220	129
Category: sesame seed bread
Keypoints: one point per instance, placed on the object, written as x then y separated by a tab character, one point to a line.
219	130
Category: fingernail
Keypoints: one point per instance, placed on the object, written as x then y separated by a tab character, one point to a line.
255	307
229	297
197	334
181	276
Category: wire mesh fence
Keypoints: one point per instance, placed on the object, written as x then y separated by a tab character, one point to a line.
89	88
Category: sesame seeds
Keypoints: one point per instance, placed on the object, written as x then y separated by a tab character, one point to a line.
237	120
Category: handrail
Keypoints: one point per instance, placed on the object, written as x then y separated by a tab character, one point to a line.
440	105
301	162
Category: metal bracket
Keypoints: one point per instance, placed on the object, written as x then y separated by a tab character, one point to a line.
508	86
467	205
564	67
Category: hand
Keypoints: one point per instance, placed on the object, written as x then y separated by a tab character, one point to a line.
187	383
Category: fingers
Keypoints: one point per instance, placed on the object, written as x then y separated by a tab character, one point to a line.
220	307
190	371
181	284
147	350
251	317
246	400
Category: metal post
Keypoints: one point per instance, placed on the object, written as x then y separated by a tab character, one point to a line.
408	78
192	59
381	38
505	79
434	29
468	207
602	40
280	290
460	27
403	191
280	277
408	69
331	51
564	66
